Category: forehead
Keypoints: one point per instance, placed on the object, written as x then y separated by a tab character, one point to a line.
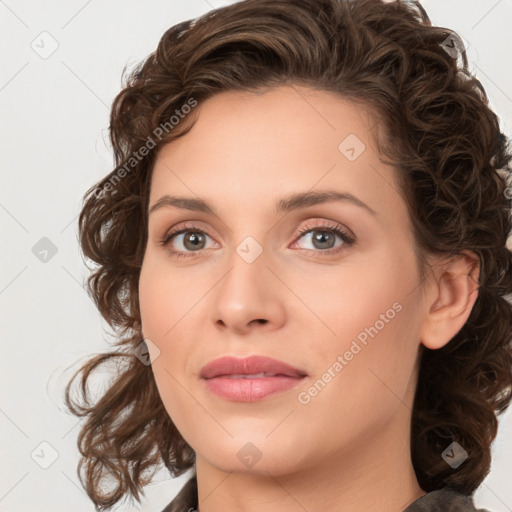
282	141
275	120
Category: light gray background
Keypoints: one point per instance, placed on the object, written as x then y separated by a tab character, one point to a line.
54	146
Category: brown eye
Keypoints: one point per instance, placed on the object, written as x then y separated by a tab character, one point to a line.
186	241
191	240
194	240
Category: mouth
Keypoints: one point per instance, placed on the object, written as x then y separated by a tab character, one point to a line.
250	379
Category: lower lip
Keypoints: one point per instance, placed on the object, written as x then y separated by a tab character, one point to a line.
251	390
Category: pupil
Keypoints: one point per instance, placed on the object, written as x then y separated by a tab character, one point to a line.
194	239
321	237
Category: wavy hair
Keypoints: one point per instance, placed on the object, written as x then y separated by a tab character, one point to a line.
453	164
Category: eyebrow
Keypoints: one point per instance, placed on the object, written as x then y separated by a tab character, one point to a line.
283	205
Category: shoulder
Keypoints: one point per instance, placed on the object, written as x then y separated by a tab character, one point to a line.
186	499
445	500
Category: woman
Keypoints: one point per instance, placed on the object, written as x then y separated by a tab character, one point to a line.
302	249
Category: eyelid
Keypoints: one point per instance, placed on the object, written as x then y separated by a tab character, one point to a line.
320	224
184	227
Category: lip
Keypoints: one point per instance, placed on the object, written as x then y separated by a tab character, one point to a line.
249	379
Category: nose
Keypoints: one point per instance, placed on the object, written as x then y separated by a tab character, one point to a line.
248	297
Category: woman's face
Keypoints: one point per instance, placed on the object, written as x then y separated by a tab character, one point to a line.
278	268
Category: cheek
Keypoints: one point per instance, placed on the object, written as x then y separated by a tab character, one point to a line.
364	301
373	316
165	297
363	377
167	311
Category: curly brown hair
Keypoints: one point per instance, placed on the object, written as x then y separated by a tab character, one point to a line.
452	161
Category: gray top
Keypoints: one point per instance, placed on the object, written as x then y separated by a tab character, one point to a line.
442	500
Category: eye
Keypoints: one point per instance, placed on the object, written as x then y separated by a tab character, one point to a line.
190	239
323	238
193	240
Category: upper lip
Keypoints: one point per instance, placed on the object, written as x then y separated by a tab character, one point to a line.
229	365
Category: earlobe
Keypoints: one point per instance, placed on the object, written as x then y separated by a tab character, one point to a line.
450	299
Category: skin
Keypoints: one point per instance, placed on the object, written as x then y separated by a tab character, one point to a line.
350	443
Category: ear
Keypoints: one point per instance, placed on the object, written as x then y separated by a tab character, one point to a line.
450	297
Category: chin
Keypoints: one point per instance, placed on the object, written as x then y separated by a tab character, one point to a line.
255	453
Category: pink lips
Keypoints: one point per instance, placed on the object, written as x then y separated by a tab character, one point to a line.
249	379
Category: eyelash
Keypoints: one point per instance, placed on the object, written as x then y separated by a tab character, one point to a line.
345	237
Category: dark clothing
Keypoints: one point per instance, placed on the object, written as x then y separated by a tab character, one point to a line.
185	499
443	500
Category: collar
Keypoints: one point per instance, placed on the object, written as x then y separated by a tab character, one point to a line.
446	499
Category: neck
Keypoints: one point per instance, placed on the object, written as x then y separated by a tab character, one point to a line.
375	475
